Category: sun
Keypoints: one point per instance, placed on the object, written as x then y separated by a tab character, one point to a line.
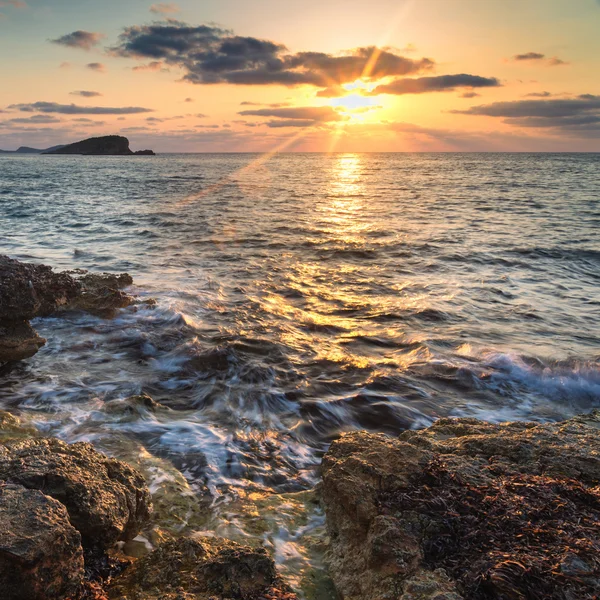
354	106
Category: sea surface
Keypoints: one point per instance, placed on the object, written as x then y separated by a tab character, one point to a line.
300	296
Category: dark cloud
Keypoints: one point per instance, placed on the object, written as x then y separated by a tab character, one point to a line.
581	113
73	109
211	55
189	100
164	8
321	114
552	61
96	66
441	83
538	95
529	56
85	94
537	108
85	40
470	95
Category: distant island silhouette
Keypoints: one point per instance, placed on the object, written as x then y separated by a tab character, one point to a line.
108	145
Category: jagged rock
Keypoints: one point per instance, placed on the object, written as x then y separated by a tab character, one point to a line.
30	290
106	499
466	509
101	293
40	551
18	341
201	569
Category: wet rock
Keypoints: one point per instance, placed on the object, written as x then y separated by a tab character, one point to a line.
466	509
40	551
11	427
31	290
200	569
106	499
18	341
134	406
101	293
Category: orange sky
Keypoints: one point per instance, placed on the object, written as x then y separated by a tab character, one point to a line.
403	75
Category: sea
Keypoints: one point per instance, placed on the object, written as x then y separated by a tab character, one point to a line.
297	297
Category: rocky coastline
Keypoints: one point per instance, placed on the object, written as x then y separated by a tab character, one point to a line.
460	510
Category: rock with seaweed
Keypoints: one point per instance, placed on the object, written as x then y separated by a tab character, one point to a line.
466	509
204	568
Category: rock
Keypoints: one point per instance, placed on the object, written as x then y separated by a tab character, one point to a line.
106	145
40	551
106	499
101	293
30	290
18	341
200	569
134	406
11	427
466	509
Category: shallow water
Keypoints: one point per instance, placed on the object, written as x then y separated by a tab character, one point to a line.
300	296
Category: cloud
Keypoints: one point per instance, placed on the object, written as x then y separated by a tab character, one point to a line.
291	123
95	66
85	94
312	113
210	55
73	109
189	100
581	113
13	3
155	65
470	95
441	83
556	62
36	119
529	56
85	40
539	94
164	9
552	61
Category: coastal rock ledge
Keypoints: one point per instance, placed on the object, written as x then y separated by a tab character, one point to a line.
66	508
466	510
30	290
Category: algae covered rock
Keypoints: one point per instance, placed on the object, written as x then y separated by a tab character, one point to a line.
106	499
40	551
201	569
466	509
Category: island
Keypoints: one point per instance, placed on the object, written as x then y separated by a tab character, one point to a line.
109	145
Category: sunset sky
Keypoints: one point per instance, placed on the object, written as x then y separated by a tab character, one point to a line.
320	75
